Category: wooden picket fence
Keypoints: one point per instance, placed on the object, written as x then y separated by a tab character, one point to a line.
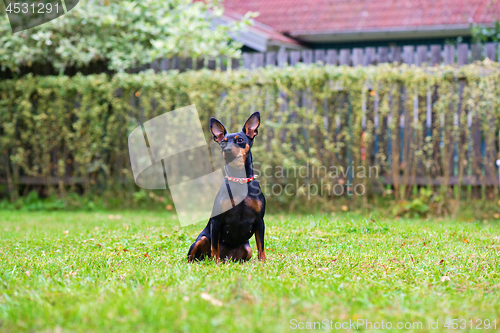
455	159
460	55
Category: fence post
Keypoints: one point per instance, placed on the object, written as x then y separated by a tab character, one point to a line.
258	59
319	56
307	56
176	63
235	63
383	55
247	60
224	61
376	122
476	52
188	64
345	55
463	54
294	57
271	59
421	55
435	54
370	56
211	64
155	66
331	57
200	63
408	54
357	57
282	58
449	54
490	51
165	64
395	54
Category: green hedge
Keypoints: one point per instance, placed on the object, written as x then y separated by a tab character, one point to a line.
65	131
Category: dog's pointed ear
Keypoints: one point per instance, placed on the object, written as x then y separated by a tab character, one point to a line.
252	124
218	130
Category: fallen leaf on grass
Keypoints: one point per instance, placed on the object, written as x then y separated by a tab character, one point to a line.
210	299
27	273
445	278
466	241
71	273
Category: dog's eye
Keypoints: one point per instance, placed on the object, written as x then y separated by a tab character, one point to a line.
223	143
240	140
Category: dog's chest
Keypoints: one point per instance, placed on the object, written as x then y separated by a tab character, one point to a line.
238	224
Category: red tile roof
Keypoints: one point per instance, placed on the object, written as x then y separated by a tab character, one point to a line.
261	29
297	17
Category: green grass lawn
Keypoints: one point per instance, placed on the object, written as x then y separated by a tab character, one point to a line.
88	272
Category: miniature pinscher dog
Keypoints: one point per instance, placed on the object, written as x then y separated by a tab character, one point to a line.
226	236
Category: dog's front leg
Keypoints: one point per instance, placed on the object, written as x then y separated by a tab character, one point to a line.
215	233
259	239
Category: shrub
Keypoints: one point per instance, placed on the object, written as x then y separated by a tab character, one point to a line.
117	35
429	126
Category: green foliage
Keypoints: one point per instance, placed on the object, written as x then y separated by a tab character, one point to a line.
141	199
94	272
121	34
33	203
419	206
481	34
73	130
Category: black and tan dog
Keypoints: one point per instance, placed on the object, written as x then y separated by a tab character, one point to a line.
227	235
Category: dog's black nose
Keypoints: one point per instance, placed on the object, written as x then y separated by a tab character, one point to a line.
227	150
